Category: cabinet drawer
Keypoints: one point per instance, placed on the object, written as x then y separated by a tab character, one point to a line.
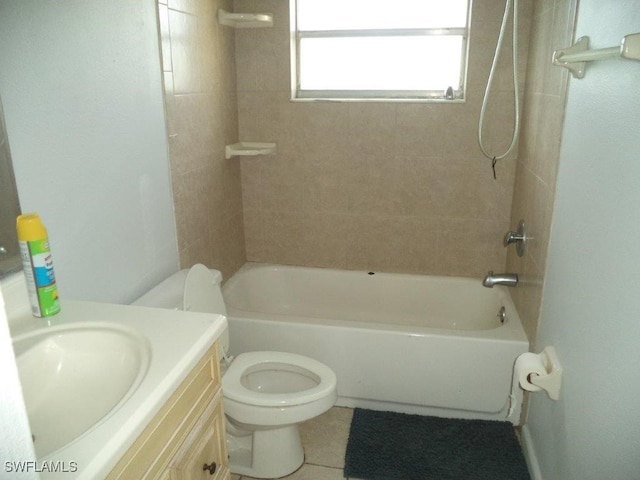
203	454
164	435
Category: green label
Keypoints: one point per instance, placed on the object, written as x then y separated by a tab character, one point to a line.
39	246
48	299
40	277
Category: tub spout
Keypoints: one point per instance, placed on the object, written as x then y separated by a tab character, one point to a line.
508	279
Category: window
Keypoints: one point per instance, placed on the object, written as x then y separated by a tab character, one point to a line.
375	49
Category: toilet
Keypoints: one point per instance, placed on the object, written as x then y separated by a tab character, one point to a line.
265	394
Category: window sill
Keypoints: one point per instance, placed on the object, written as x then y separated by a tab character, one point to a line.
377	100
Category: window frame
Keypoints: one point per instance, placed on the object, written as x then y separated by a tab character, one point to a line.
297	94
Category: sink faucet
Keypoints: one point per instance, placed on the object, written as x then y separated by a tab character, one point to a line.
508	279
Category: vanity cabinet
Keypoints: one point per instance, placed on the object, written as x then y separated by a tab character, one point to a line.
200	457
186	438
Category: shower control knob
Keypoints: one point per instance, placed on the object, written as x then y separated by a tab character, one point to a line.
512	237
518	237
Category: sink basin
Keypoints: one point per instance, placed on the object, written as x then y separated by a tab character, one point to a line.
74	376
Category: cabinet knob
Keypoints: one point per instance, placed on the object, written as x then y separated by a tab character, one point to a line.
211	468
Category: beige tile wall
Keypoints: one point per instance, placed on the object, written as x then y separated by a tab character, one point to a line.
552	28
200	86
380	186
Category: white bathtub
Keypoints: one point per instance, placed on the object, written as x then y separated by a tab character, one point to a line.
405	343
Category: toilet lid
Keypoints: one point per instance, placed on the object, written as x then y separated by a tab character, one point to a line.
234	389
199	291
202	294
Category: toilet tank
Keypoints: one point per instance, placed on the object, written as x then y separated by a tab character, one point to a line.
199	286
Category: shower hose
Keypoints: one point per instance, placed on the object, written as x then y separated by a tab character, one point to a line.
516	125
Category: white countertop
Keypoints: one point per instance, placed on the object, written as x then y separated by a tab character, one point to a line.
178	340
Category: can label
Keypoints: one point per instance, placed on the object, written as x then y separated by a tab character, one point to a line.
40	276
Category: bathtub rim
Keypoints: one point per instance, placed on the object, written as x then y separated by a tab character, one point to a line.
511	330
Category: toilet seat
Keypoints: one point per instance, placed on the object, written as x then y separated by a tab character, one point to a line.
234	387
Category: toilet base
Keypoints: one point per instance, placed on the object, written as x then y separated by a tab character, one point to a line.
265	453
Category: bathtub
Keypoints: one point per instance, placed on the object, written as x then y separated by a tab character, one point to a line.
406	343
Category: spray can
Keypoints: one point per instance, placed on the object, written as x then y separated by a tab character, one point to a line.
37	265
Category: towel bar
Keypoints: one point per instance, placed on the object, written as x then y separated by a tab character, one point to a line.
575	57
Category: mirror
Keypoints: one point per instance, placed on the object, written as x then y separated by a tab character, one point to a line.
9	207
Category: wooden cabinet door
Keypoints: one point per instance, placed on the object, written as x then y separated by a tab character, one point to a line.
203	455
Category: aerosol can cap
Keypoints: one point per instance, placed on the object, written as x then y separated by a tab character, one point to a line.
30	227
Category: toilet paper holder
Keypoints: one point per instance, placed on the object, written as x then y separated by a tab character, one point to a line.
550	382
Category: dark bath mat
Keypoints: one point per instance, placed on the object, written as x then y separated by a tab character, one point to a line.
389	446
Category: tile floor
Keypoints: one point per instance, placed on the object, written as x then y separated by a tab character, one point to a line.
325	441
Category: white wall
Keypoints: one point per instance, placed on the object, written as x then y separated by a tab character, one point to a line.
591	300
81	87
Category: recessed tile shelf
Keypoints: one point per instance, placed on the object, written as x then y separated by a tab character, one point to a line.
245	20
249	149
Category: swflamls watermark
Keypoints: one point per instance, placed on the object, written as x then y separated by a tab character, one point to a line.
57	466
